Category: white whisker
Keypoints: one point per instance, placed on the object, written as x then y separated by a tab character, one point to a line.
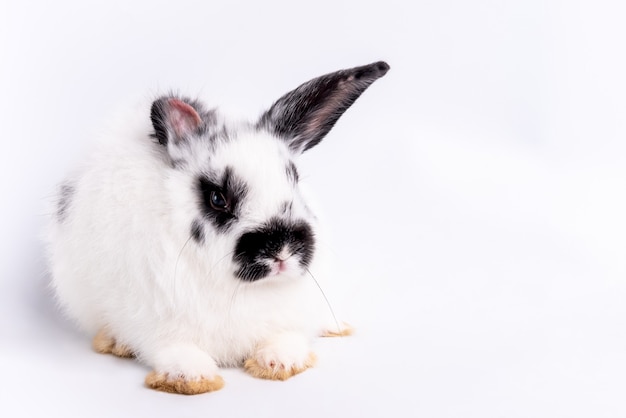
180	253
330	308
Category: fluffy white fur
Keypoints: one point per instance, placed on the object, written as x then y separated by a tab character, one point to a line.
122	257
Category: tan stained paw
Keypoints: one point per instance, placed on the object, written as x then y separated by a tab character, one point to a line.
104	343
162	382
343	330
277	371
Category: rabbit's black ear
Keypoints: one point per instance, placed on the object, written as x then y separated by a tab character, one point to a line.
174	119
305	115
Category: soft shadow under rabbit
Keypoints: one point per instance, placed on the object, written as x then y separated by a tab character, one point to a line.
185	240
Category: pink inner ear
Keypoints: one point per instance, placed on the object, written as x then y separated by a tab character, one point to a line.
183	118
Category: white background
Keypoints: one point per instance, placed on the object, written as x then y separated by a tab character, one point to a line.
476	194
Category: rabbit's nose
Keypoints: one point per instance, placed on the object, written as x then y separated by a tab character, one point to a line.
283	255
281	259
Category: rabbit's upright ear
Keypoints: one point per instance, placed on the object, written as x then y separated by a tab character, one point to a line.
305	115
174	120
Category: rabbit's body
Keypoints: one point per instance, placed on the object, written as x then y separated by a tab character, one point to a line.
118	200
187	240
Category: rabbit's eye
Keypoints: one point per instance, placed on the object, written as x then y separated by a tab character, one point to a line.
218	202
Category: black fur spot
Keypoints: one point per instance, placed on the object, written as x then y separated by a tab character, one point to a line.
286	207
234	191
197	231
253	271
157	116
292	172
66	193
257	248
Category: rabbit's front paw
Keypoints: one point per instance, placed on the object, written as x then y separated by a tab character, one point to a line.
184	369
281	358
183	385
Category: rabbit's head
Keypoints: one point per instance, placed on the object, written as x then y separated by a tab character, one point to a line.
242	182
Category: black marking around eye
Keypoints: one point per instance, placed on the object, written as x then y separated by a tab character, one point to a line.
292	172
234	191
66	193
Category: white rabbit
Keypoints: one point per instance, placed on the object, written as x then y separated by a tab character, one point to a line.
184	240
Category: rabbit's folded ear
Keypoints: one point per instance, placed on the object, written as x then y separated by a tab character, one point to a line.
305	115
174	120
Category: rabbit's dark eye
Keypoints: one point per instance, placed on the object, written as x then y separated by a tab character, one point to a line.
218	201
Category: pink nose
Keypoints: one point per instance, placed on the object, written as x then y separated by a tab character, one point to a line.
282	266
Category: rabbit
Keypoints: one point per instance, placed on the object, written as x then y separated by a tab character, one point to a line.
185	240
